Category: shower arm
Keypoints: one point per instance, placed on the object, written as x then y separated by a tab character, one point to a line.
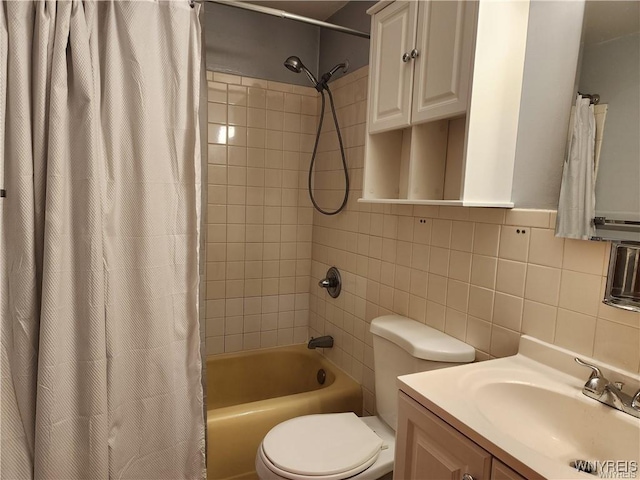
310	76
322	84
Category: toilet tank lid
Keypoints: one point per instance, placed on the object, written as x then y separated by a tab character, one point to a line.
422	341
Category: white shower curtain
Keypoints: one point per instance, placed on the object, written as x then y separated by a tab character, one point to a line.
100	159
577	204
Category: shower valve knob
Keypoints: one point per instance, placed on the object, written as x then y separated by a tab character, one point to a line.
332	282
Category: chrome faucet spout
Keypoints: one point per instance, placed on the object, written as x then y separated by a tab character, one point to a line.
611	394
614	395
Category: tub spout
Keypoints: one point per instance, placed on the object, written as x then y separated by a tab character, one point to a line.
321	342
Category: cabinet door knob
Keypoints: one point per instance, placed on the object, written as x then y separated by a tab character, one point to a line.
466	476
406	57
415	54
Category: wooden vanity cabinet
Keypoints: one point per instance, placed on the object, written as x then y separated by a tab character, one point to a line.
427	448
499	471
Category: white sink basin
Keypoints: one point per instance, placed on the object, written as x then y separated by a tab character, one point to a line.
559	425
529	410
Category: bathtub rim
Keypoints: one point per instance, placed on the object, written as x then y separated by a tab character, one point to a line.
343	382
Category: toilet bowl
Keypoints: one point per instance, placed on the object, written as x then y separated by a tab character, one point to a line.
336	446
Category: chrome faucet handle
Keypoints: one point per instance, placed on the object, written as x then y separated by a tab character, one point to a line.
595	371
608	393
596	383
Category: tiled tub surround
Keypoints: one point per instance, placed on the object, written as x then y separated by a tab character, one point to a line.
481	275
259	215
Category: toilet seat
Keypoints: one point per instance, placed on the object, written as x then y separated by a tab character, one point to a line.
326	446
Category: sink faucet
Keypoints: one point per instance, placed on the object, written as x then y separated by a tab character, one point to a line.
321	342
611	394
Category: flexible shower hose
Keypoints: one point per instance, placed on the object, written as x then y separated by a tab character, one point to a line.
315	151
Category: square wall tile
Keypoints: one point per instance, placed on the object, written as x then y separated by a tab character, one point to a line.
483	271
455	324
460	266
543	284
217	113
575	331
439	261
539	320
545	248
217	92
584	256
580	292
437	289
617	344
507	311
514	243
504	342
486	239
481	303
441	233
511	277
462	236
435	315
458	295
478	333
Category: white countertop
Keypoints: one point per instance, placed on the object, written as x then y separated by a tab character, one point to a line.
554	422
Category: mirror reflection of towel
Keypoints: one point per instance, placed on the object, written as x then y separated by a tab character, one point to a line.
576	207
600	112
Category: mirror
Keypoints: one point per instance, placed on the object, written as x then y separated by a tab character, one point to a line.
609	66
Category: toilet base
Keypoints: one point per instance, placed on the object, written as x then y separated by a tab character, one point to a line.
382	469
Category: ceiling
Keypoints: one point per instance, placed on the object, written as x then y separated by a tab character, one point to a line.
605	20
320	10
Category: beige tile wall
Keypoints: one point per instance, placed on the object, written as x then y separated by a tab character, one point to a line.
482	275
259	221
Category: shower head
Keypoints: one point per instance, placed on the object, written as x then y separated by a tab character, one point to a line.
295	65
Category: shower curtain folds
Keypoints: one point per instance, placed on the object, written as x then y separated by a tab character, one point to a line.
99	231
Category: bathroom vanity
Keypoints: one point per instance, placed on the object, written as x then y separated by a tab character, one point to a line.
512	418
433	447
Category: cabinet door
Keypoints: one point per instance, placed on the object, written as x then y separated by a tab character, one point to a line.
428	448
393	31
446	37
499	471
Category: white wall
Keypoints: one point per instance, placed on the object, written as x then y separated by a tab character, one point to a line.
553	46
612	69
255	45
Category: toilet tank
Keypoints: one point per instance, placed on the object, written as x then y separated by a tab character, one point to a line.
402	346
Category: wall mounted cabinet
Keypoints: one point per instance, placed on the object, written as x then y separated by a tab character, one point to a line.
422	58
445	85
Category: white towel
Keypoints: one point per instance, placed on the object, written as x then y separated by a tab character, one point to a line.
576	207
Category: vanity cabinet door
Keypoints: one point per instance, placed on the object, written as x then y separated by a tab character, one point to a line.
446	34
393	35
499	471
429	449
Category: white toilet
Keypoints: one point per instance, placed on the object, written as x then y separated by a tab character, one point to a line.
335	446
